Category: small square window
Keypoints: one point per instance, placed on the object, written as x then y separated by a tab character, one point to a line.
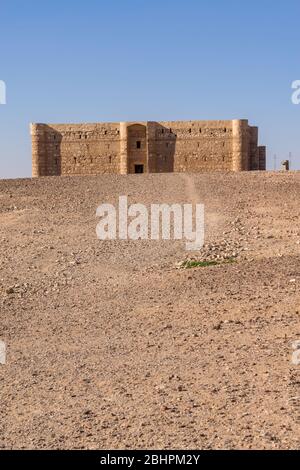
138	144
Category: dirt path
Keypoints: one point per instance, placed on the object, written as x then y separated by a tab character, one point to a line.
191	192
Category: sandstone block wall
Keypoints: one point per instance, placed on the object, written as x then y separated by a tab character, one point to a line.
175	146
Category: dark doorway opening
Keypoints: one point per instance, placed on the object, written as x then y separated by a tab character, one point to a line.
139	169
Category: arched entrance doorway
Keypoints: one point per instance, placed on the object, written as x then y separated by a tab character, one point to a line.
137	148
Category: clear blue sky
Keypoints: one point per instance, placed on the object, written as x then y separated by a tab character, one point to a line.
72	61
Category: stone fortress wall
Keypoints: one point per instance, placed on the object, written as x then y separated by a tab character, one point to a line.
145	147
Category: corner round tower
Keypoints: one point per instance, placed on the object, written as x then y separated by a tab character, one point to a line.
38	149
123	149
240	147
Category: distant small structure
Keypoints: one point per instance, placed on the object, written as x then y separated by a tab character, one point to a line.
285	165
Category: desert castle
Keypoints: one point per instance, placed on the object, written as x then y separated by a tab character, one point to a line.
145	147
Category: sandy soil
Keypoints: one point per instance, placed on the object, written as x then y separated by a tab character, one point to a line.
110	345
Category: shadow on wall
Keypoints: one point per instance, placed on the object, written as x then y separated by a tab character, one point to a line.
162	148
151	149
137	148
53	141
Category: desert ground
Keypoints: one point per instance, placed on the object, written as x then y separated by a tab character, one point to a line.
111	345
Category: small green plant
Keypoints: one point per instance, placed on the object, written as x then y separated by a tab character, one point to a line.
189	264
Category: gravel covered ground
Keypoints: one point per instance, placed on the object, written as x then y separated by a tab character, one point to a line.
110	344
